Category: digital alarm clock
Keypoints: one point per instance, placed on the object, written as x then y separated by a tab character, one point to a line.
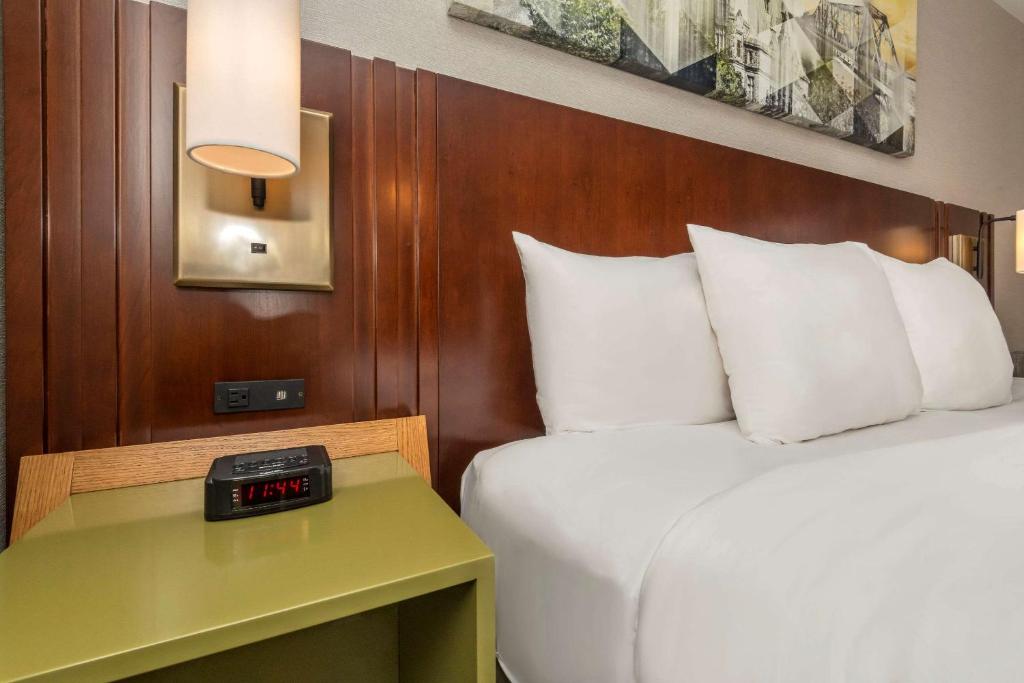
269	481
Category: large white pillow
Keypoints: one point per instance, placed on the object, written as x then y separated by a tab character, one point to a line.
954	333
620	342
810	335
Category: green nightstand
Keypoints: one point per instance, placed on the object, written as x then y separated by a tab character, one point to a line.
382	583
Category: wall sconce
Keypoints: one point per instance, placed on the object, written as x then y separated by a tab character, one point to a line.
1020	242
247	214
1018	218
965	251
243	72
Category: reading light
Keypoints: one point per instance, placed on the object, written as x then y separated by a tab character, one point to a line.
1020	242
1019	219
239	131
243	74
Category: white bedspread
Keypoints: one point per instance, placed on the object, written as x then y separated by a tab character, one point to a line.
901	564
752	567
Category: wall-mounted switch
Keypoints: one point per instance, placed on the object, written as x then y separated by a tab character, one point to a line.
245	397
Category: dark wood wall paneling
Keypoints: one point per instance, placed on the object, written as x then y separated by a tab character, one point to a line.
103	349
431	174
355	347
81	291
427	253
61	142
959	220
134	317
25	271
97	389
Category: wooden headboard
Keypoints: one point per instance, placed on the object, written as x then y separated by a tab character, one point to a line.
597	185
431	175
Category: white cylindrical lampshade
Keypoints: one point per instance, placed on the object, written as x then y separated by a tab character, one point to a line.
243	77
1020	242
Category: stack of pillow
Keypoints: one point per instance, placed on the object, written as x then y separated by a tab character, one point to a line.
797	340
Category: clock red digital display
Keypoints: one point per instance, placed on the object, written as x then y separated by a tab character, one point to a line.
273	490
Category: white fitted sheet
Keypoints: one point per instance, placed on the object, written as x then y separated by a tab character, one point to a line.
574	520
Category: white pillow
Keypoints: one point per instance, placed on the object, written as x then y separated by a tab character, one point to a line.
810	335
620	342
954	333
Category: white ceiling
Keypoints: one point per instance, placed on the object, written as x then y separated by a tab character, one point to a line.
1014	7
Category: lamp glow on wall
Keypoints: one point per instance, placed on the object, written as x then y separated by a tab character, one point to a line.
243	74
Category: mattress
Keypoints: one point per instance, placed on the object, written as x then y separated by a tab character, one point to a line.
575	519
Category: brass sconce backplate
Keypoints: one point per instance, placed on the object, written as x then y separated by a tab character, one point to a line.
962	252
222	240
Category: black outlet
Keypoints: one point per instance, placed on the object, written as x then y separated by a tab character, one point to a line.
247	397
238	398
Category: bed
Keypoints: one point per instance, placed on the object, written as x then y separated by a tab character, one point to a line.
578	521
687	553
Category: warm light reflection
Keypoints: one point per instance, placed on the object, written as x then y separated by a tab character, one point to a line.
234	233
906	244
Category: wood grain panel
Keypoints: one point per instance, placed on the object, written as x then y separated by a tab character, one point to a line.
387	296
597	185
99	63
327	86
65	369
406	263
941	230
959	220
134	320
988	278
45	483
426	251
395	282
170	461
364	223
412	443
24	276
179	353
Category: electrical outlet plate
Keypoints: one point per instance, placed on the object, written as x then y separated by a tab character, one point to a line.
258	395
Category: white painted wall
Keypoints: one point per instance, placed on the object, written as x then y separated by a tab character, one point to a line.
1014	7
970	127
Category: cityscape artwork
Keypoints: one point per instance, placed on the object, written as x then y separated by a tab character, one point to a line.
845	68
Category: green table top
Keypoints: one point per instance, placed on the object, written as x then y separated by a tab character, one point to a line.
119	582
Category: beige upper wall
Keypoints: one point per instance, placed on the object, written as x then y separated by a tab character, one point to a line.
970	131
